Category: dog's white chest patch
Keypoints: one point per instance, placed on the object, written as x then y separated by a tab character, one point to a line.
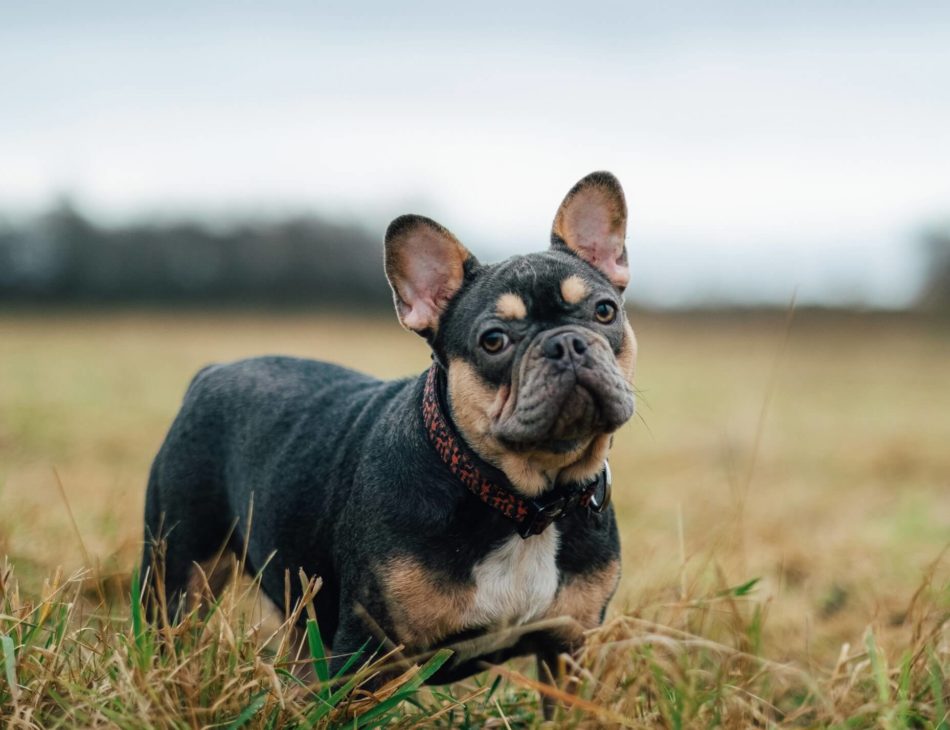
516	582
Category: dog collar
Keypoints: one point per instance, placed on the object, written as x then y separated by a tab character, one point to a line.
491	486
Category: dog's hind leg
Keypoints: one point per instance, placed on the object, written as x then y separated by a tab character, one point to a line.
208	579
185	524
184	569
159	585
167	562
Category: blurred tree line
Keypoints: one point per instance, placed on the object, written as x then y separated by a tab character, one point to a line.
63	257
935	293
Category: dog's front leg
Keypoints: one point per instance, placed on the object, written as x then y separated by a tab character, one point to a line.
350	640
549	672
552	662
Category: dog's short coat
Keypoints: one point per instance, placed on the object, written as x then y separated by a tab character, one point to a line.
349	481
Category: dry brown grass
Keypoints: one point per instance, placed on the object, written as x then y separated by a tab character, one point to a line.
836	497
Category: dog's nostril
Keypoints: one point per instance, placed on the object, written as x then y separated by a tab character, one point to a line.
554	349
564	346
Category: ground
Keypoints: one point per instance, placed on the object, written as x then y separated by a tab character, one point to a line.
811	455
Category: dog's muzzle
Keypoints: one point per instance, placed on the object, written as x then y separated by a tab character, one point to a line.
566	388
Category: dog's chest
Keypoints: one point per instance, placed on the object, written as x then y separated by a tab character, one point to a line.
516	582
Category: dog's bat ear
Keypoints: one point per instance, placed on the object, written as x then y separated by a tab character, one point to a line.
425	265
592	224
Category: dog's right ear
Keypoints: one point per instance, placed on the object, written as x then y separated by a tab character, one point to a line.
592	224
425	265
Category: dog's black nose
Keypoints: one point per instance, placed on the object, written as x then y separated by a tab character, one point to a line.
564	346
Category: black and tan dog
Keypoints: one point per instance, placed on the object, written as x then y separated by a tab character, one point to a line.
468	502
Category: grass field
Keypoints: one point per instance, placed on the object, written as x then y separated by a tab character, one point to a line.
814	458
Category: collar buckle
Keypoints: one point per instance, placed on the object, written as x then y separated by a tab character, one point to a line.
542	514
600	497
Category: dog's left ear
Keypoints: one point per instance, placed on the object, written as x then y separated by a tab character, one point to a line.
592	223
425	265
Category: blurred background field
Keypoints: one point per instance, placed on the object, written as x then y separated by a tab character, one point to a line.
836	495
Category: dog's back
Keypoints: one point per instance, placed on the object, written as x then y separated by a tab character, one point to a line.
243	428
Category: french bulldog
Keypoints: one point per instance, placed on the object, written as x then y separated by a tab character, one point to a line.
467	506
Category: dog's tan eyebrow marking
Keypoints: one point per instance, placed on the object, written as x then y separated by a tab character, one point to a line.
574	289
510	306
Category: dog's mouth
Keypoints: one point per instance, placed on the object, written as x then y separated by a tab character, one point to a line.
561	397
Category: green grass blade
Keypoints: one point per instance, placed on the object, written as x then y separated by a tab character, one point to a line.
430	667
253	707
937	683
329	704
741	590
348	664
494	687
138	621
9	663
328	701
408	689
879	671
135	600
273	719
291	677
29	629
318	652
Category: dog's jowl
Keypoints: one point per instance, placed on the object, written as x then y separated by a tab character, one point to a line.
468	506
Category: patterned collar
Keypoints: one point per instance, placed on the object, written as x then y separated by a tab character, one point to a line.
491	486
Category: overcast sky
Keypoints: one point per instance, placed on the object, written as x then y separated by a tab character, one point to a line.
764	147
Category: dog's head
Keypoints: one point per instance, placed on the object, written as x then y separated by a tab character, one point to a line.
538	350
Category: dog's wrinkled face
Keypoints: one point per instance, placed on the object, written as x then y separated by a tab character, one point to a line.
543	333
539	352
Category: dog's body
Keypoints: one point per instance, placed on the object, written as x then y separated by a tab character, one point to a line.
369	485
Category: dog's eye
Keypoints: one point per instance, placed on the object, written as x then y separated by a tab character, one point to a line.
493	341
605	312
